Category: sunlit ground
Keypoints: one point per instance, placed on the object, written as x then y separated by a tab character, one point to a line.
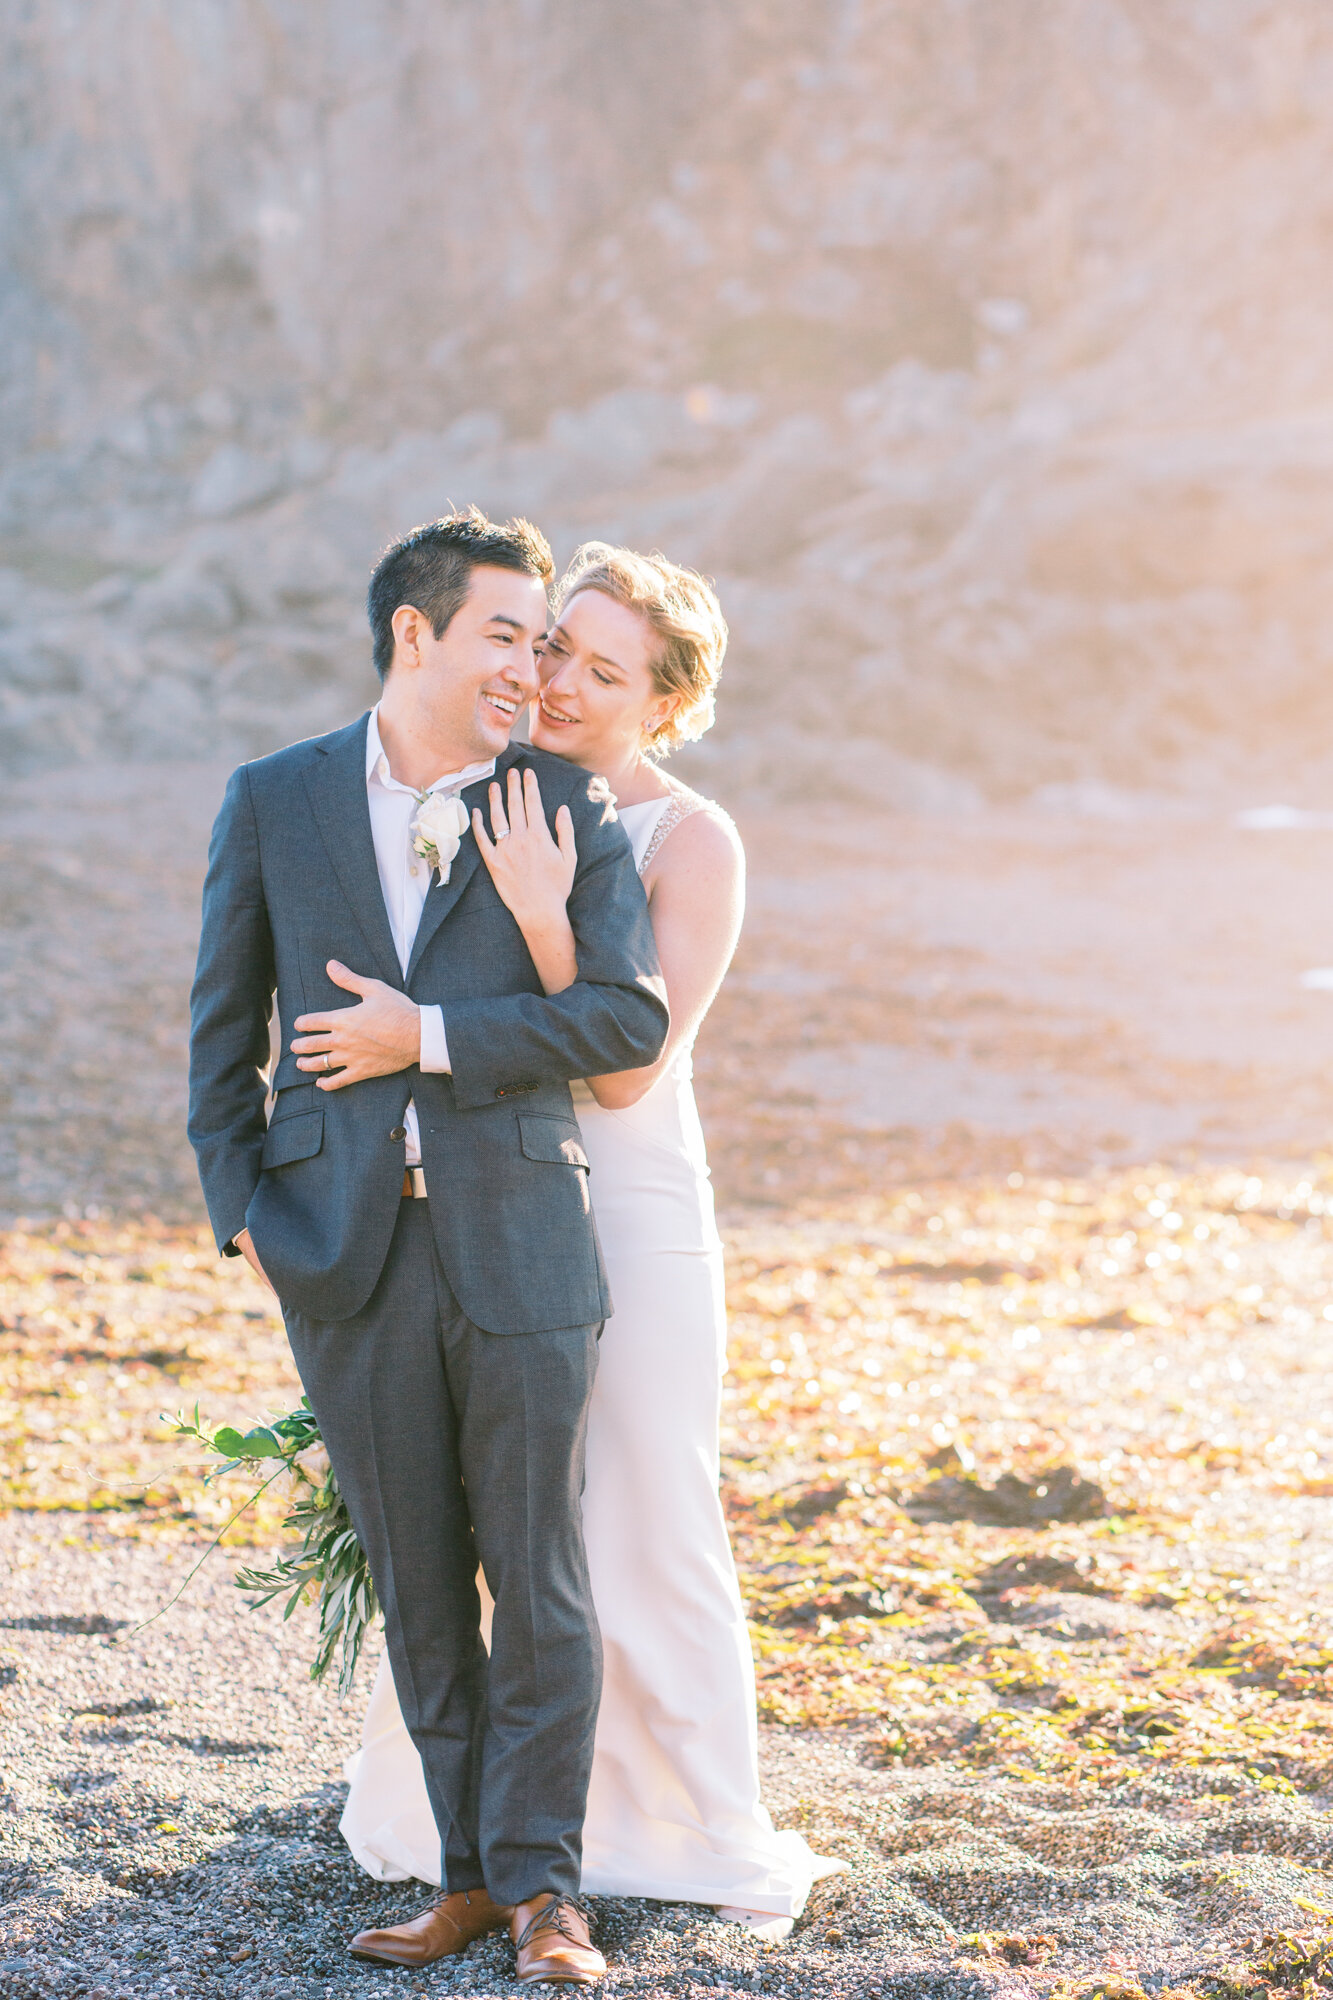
1031	1479
1066	1416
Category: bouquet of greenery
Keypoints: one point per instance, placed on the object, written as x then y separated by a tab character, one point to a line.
328	1568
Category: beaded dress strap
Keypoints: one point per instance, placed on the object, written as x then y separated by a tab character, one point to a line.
681	805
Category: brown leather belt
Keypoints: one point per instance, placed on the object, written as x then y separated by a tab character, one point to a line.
414	1184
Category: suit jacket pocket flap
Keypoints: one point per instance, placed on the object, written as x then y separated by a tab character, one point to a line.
291	1139
555	1139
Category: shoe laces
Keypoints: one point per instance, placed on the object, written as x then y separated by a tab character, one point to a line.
553	1916
440	1897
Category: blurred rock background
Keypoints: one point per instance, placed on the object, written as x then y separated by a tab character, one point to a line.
982	353
981	349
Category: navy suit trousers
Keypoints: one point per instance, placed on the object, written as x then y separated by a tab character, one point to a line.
455	1446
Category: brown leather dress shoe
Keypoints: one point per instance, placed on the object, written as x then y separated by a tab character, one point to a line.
448	1926
550	1935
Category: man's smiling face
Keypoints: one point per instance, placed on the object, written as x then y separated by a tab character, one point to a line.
483	668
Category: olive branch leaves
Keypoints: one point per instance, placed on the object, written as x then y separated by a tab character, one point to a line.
328	1567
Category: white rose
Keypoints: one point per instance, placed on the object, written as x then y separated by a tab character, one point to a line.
438	829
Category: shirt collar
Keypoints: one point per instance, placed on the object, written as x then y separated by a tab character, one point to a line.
377	766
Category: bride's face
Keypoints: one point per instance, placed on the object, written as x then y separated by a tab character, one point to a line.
597	701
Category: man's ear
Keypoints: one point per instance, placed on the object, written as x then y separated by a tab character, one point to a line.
409	626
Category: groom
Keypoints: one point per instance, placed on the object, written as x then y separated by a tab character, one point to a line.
427	1230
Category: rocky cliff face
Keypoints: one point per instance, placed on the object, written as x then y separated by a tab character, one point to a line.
981	352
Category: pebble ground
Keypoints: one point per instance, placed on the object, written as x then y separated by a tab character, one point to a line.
169	1820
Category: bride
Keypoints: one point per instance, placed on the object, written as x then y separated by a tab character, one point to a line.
674	1811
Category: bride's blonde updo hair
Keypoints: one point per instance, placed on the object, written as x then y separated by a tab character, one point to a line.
682	609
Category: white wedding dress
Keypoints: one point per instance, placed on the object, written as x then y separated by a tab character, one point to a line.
673	1808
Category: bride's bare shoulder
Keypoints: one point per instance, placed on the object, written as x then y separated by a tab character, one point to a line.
701	833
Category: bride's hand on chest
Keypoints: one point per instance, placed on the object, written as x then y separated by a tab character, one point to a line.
533	873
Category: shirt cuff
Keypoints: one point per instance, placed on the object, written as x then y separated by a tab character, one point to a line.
434	1060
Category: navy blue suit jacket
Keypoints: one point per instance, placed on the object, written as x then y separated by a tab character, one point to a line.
291	883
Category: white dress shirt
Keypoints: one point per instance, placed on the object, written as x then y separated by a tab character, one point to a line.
405	879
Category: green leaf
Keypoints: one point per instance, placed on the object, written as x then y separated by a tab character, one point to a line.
299	1424
261	1443
326	1561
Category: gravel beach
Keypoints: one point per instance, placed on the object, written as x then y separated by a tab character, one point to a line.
1061	1744
171	1806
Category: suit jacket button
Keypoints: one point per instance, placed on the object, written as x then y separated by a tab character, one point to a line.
398	1132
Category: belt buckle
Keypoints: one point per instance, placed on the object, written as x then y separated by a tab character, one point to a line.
414	1184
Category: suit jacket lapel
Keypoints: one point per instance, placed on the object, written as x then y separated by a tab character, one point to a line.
337	791
442	898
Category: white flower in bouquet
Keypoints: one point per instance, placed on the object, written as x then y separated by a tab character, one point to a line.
438	829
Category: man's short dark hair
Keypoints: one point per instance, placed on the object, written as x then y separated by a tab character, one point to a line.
431	569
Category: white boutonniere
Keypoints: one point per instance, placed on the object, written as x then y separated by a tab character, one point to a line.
437	830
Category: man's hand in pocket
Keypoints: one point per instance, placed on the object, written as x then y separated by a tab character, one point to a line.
247	1250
